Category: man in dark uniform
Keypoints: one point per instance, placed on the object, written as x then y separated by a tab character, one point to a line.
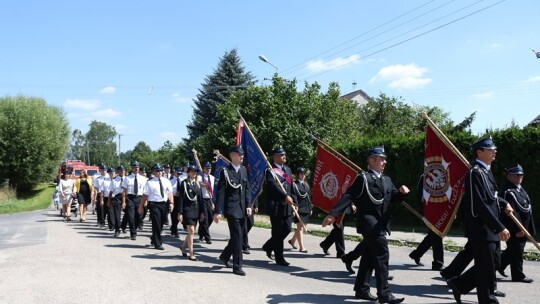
279	199
521	203
372	192
483	228
176	180
233	201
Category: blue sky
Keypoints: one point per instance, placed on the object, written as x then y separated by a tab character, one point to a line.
137	65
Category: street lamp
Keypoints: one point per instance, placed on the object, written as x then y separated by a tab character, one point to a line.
262	58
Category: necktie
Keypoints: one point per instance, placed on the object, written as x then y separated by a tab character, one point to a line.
177	185
160	187
136	186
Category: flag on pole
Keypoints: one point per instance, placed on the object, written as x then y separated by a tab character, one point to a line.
444	181
220	164
254	161
331	178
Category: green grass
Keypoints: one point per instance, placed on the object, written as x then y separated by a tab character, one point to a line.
37	199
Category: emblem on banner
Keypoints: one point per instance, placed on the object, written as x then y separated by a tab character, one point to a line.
329	185
436	180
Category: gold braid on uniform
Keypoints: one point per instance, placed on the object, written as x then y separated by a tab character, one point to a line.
187	194
523	209
371	198
228	180
492	196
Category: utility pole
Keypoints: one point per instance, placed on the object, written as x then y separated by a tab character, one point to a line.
119	148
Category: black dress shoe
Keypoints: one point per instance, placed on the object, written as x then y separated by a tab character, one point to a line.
283	263
499	294
390	278
365	296
227	263
133	237
325	250
348	264
437	267
292	244
246	251
269	254
208	241
239	271
455	290
159	248
501	272
390	299
524	280
116	233
124	230
416	260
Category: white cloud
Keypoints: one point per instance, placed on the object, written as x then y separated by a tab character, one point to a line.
120	128
107	113
340	62
533	79
495	45
401	76
180	99
108	90
85	104
484	95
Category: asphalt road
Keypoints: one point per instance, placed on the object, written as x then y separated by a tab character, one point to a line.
44	260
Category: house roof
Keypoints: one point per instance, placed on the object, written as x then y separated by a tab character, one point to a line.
535	121
359	96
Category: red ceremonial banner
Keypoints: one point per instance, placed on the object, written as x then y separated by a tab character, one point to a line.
332	177
444	181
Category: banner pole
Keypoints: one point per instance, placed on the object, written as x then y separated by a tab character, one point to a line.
219	155
269	167
352	164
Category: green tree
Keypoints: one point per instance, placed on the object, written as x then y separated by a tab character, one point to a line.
33	138
281	115
143	154
101	145
229	77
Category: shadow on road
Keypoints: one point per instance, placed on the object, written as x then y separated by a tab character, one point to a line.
307	298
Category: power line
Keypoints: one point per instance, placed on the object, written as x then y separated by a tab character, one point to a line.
409	39
356	37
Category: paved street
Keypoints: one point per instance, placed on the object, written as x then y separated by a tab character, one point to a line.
44	260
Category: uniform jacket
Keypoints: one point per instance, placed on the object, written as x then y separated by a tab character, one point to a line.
234	192
372	218
275	196
521	203
480	207
301	190
190	199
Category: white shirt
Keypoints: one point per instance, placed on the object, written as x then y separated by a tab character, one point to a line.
104	186
484	164
205	178
129	184
98	180
116	185
152	191
175	181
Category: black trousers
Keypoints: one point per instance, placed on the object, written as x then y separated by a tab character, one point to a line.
100	210
174	216
204	227
234	247
131	215
513	256
116	212
482	274
375	257
460	262
355	254
281	227
158	212
431	240
107	213
335	237
250	220
142	217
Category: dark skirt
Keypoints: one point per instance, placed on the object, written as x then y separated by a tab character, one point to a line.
84	197
189	221
304	217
